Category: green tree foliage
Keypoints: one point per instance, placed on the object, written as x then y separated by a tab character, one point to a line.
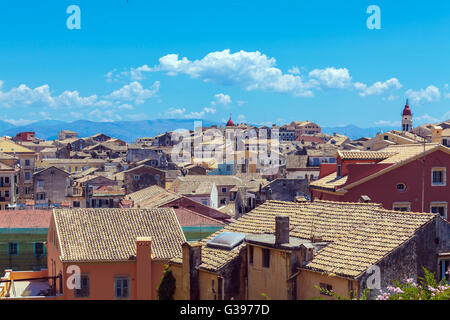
166	288
350	296
426	288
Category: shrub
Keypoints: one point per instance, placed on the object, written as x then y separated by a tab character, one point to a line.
427	288
166	288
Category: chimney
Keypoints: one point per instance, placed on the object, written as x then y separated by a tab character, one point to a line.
192	258
281	229
145	288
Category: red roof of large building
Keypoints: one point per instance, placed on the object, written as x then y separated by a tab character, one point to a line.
230	123
189	218
22	219
407	110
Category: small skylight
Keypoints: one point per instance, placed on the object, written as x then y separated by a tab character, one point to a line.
226	240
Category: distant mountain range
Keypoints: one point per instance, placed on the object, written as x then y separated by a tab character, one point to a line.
131	130
126	130
354	132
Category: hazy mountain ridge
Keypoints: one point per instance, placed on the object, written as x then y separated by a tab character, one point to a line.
355	132
131	130
126	130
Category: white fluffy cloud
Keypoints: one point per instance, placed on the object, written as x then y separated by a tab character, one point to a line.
430	94
181	113
134	92
387	123
294	70
220	98
134	74
332	77
126	106
176	112
106	107
23	95
378	88
201	114
256	71
137	74
250	70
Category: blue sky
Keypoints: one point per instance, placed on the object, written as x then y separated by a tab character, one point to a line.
262	61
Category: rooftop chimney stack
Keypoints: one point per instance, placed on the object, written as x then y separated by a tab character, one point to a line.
281	229
144	268
192	258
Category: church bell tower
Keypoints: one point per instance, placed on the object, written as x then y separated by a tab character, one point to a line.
407	118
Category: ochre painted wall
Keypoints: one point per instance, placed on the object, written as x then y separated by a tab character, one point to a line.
271	281
206	285
307	280
101	274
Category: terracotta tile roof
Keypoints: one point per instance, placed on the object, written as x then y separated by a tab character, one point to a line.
4	156
229	209
359	233
365	155
25	218
8	146
407	151
72	161
49	150
172	174
108	145
152	197
446	132
337	140
189	218
69	140
328	151
5	167
50	168
296	161
407	135
329	182
251	184
399	154
219	180
367	243
194	187
140	167
108	191
90	177
110	234
32	144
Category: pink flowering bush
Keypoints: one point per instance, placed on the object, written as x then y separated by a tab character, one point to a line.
427	288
